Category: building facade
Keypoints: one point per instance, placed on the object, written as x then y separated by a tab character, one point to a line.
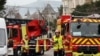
70	5
49	13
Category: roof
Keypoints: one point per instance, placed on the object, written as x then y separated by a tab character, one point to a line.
48	9
17	15
36	15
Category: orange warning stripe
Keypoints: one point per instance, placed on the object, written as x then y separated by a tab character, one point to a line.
86	20
86	41
75	20
94	20
98	20
92	41
90	20
74	40
78	42
97	41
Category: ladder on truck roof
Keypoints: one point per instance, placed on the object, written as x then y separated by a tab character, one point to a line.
17	21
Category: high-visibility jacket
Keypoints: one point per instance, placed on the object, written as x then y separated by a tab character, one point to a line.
57	45
25	46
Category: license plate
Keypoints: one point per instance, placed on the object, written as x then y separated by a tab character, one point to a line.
87	55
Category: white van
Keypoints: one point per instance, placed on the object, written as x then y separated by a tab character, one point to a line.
3	38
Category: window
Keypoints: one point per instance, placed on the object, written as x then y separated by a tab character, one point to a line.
12	32
65	28
85	29
31	28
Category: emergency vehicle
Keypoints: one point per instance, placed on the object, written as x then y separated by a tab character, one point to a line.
81	35
3	38
18	28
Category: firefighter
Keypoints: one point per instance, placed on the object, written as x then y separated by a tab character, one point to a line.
32	48
57	44
25	46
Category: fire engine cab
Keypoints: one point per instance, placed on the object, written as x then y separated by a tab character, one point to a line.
18	28
82	35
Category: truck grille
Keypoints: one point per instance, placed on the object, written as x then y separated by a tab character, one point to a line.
88	49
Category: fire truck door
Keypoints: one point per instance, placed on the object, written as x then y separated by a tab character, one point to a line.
23	29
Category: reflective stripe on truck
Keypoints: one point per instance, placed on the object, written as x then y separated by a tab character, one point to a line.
23	29
85	41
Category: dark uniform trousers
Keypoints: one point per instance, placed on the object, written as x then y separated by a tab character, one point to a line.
58	53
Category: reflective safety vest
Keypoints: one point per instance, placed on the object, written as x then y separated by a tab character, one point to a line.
57	45
25	46
26	43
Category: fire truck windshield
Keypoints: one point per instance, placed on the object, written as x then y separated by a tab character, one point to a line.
85	29
12	32
2	37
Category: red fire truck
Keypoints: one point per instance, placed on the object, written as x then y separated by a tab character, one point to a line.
18	28
82	35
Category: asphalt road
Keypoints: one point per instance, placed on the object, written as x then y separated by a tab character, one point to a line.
49	53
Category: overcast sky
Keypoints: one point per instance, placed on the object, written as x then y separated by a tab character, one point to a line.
23	2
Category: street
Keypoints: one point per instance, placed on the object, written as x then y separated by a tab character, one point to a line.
49	53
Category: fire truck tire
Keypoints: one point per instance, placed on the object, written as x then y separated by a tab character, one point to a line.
17	52
41	51
63	53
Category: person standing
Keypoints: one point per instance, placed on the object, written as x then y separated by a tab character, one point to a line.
25	46
57	44
32	49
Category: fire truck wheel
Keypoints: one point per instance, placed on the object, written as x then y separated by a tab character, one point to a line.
17	52
41	51
63	53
